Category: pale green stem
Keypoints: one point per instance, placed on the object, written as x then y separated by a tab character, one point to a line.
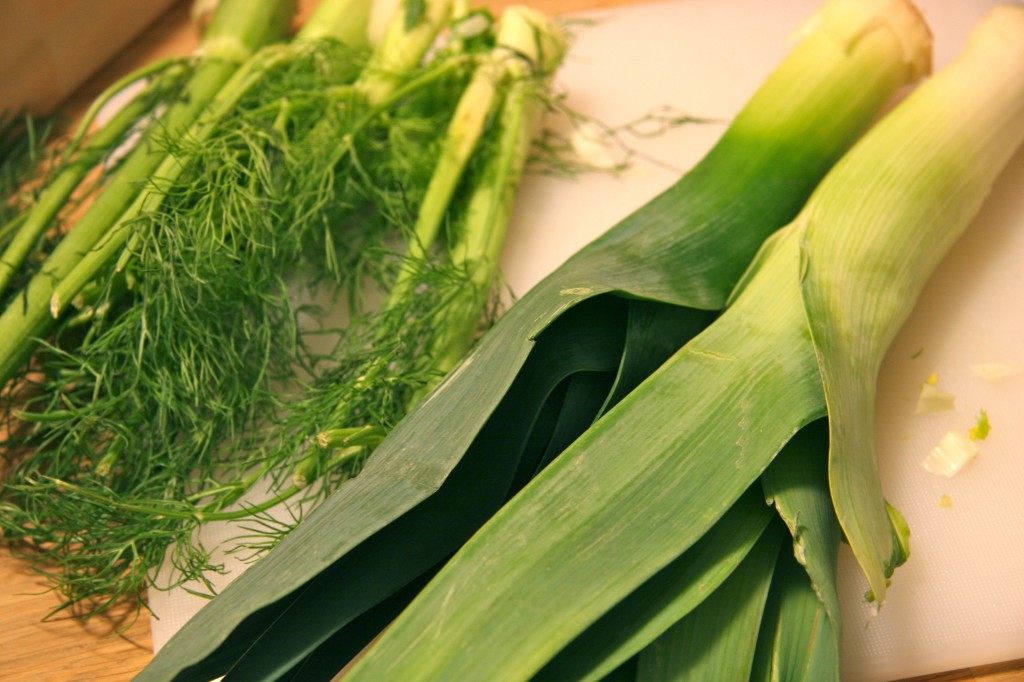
57	191
343	20
238	28
479	248
409	35
461	140
525	35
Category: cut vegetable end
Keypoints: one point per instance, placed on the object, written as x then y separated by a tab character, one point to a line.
344	20
885	43
848	22
934	399
409	35
952	453
239	27
533	35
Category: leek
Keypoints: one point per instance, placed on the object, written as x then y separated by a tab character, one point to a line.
484	432
888	252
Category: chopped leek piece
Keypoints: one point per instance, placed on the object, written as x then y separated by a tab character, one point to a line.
934	399
946	501
995	371
951	454
591	144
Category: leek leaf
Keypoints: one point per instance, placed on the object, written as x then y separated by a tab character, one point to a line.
664	599
318	660
718	639
802	628
654	332
597	524
404	550
796	642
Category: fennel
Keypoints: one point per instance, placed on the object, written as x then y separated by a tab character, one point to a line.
78	160
173	394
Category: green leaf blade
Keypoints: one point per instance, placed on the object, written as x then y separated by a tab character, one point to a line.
802	629
663	600
718	640
595	524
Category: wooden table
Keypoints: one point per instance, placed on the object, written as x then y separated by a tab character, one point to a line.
63	649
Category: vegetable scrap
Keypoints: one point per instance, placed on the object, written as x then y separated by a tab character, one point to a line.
981	428
934	399
953	451
995	372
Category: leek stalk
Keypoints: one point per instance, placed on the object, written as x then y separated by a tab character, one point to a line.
865	268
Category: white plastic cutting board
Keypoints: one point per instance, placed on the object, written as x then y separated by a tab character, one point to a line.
960	599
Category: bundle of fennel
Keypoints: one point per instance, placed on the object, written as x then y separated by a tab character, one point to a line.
581	499
156	367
